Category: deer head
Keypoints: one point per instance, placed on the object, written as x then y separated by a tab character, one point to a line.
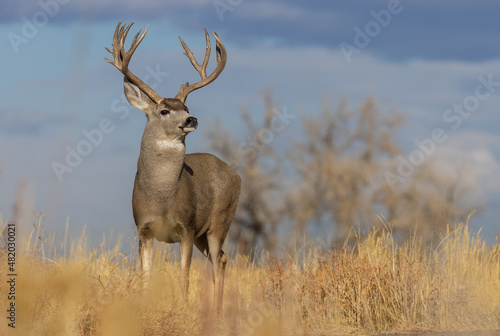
170	115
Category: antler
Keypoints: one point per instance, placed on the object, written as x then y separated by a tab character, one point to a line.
121	58
202	69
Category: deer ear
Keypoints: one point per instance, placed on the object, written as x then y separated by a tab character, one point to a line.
135	96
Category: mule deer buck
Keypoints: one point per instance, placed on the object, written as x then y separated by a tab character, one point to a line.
189	199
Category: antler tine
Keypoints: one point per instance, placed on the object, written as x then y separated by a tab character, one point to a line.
207	54
202	69
136	41
121	57
189	55
218	45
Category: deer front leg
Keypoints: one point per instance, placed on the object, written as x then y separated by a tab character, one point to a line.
146	240
219	274
219	260
186	251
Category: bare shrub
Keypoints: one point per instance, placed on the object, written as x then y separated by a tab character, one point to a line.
332	176
260	207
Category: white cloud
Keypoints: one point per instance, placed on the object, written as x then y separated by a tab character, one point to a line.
144	5
476	154
266	10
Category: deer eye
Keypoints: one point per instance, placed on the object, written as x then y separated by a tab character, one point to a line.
164	112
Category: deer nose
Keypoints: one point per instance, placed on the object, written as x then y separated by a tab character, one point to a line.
191	122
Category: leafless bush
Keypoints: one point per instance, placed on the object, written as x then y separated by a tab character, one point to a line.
259	165
335	179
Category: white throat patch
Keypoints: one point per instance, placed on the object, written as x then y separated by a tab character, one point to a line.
165	144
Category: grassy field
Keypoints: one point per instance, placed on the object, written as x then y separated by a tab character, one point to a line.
372	287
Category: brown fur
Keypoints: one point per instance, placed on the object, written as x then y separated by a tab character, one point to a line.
189	199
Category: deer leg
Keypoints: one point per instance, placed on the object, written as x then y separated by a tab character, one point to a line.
186	250
146	240
219	261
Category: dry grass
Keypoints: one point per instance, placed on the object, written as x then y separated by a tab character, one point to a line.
372	287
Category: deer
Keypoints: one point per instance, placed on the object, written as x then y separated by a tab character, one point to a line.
182	198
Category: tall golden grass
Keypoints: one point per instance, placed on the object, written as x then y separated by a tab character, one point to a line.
373	286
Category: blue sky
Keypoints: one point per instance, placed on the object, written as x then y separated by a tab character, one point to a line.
419	57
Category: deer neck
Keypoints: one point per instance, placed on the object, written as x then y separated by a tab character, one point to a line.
160	164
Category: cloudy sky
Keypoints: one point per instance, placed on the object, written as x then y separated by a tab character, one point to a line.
436	62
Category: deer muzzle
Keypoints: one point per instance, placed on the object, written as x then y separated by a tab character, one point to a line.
190	124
